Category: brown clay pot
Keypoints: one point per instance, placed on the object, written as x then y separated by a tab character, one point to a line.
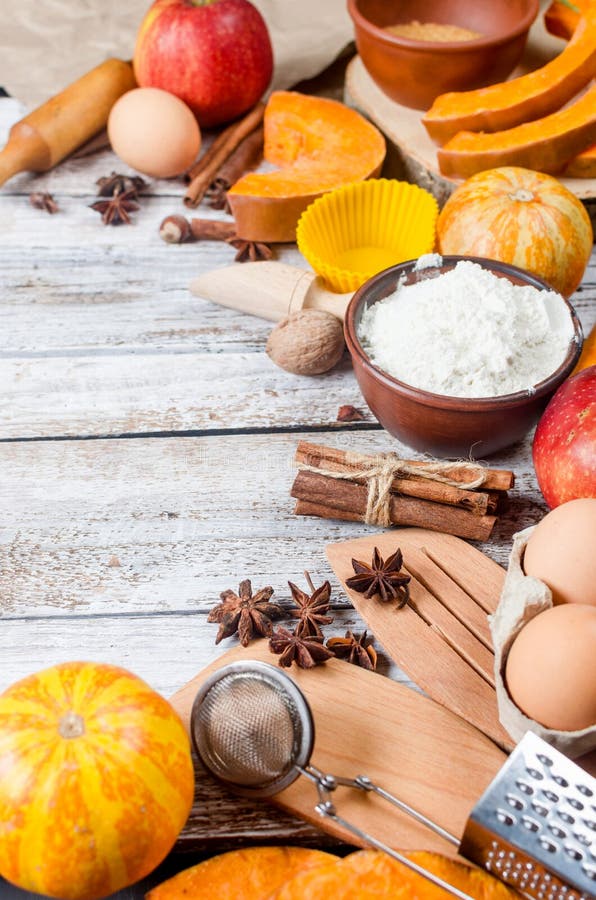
413	72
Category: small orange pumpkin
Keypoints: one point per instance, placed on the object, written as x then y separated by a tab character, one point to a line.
96	780
521	217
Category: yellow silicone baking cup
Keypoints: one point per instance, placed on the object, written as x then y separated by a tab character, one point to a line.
355	231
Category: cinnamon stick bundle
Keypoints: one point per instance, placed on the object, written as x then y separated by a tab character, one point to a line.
212	151
332	498
481	500
247	156
340	489
206	169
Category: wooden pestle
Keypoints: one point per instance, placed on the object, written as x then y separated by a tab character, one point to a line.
56	128
270	290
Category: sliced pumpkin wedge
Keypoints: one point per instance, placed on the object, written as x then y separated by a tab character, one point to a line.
583	165
532	96
545	145
561	20
318	144
371	875
251	873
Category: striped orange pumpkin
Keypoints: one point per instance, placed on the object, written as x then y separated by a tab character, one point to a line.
521	217
96	780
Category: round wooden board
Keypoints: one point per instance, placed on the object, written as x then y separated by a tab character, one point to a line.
410	152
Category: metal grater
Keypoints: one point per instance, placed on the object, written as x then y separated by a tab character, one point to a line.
535	825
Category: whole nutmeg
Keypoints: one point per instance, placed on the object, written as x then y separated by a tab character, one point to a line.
307	342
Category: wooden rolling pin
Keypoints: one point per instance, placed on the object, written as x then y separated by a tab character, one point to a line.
44	137
270	290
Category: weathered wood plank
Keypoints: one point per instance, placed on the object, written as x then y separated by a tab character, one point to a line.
169	389
67	282
184	517
151	392
89	310
166	651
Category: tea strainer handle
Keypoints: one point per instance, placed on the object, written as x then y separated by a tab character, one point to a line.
326	784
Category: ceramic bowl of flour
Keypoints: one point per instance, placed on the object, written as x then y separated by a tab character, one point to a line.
458	356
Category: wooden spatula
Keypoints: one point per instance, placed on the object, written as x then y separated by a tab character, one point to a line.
367	724
441	638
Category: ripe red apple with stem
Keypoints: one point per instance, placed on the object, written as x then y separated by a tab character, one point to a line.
215	55
564	448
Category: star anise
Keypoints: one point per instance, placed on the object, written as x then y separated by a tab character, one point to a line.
381	577
357	650
311	608
250	251
244	613
116	209
306	652
119	184
43	200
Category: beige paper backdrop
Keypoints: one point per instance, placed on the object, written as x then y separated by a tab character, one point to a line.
46	44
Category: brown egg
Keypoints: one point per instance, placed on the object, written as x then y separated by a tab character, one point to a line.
561	552
551	668
154	132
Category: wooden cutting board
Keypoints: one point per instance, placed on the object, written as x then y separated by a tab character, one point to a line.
367	724
441	639
411	154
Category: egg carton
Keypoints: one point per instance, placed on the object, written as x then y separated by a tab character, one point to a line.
522	598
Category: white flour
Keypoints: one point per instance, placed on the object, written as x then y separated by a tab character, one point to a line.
468	333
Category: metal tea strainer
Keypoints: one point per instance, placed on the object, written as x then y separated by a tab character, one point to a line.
253	730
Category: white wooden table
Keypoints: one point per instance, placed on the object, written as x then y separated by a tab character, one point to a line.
146	449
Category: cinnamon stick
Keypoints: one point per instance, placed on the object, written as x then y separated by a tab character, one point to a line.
338	499
333	460
306	508
247	156
212	229
209	154
317	454
233	136
494	479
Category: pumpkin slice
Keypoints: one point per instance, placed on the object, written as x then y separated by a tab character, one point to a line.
583	165
561	20
510	103
369	875
318	144
545	145
252	873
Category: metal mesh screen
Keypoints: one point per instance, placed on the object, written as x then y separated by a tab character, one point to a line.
247	730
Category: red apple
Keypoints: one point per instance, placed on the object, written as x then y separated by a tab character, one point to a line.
564	448
215	55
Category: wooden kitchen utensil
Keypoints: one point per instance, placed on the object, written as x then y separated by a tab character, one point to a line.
368	724
441	638
56	128
270	290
